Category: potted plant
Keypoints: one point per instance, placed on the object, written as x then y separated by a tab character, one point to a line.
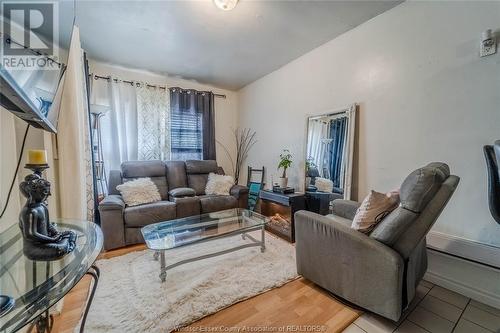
285	163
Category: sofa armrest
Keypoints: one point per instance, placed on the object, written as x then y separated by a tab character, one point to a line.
240	192
115	179
349	263
112	224
181	192
345	208
112	202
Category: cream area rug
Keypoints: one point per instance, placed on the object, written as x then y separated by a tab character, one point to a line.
131	298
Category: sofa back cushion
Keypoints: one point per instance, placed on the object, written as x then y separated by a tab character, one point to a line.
422	185
414	234
393	225
155	170
418	191
197	174
176	174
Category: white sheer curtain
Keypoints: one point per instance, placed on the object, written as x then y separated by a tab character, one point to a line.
153	122
136	124
317	131
119	124
73	137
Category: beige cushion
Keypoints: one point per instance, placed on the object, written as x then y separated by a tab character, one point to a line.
323	184
373	209
219	184
139	191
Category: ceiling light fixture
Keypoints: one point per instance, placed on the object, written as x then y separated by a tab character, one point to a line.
226	4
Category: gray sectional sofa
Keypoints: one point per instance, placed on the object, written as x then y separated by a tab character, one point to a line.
182	189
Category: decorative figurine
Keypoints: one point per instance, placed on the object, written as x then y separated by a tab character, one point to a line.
42	240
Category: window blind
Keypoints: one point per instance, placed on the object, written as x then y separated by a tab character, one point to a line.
186	134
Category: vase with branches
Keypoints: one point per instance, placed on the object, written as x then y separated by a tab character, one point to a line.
284	163
245	139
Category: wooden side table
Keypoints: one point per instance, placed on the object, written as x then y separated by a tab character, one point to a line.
281	207
319	202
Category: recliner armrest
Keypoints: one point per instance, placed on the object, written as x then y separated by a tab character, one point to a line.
112	202
111	210
349	263
345	208
182	192
238	190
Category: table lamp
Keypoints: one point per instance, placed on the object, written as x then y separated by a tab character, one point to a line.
312	172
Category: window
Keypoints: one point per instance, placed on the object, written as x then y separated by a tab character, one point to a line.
192	126
186	134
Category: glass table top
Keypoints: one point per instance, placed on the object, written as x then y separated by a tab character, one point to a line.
175	233
37	285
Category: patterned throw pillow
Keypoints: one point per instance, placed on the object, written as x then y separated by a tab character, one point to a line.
324	184
373	209
139	191
219	184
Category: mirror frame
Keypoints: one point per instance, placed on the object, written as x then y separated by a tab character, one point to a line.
350	111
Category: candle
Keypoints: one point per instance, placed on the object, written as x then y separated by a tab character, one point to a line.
37	156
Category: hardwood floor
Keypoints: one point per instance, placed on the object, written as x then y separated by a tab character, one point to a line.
298	306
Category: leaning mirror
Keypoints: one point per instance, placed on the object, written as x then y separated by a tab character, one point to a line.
329	153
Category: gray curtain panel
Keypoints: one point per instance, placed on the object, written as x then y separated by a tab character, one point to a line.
206	104
192	124
338	134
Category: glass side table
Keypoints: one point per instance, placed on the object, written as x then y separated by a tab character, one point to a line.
38	285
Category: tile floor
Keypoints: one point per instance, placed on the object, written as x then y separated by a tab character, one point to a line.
434	310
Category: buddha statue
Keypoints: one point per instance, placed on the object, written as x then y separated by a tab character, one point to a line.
42	240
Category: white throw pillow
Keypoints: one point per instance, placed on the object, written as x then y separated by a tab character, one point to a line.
219	184
139	191
374	208
323	184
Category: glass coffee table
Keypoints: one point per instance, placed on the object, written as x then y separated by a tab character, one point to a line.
37	285
163	236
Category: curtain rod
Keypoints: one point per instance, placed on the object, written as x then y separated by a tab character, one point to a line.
147	84
9	40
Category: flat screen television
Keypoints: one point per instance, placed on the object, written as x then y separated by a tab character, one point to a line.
30	94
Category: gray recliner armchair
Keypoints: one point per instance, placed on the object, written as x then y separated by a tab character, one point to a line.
379	271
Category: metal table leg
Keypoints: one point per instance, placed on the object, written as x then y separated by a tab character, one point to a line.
263	239
262	244
163	269
43	323
95	273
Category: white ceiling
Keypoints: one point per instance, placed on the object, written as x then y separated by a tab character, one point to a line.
196	40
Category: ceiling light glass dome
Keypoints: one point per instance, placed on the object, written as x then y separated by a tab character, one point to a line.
226	4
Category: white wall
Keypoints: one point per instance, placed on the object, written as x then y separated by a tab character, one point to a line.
12	131
8	156
424	93
226	115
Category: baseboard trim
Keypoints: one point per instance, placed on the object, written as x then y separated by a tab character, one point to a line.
464	266
465	248
464	286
